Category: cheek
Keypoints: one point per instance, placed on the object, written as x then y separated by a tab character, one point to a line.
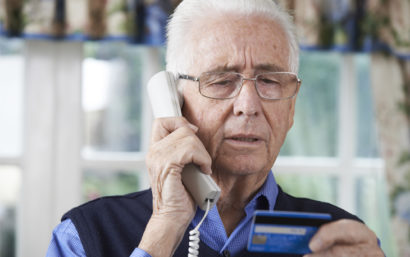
211	128
279	122
209	117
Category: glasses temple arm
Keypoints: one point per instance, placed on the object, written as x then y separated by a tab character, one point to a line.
182	76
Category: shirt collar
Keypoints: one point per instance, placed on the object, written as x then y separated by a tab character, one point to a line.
265	198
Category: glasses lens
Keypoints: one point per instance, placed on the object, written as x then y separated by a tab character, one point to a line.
276	85
219	85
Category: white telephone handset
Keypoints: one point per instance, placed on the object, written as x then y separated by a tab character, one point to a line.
166	102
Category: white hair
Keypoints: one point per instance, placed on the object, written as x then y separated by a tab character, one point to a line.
179	56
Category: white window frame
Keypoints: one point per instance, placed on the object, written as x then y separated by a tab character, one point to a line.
54	159
345	167
10	161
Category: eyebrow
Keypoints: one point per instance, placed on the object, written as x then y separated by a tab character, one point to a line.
258	68
268	67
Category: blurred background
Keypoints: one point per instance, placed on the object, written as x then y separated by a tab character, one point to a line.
75	121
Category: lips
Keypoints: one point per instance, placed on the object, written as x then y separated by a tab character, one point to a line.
245	138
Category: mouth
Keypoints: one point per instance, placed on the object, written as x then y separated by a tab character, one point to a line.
245	139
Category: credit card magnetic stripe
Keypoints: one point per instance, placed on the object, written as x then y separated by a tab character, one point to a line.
314	222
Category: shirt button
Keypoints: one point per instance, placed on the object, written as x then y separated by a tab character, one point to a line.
226	253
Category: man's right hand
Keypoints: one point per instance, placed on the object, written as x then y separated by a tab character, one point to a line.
173	145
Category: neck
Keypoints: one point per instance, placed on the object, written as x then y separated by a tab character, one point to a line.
236	193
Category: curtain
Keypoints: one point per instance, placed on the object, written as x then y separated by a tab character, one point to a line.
137	21
393	131
381	27
388	27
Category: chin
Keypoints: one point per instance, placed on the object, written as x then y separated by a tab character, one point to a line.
242	167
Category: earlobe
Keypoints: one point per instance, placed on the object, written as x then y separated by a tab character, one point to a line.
292	108
291	113
290	122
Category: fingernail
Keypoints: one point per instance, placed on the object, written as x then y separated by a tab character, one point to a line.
209	171
315	244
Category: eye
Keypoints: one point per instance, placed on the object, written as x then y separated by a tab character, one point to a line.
269	81
222	83
221	80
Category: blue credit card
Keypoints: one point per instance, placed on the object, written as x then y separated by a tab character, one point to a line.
284	232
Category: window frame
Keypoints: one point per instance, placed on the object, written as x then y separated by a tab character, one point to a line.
346	167
52	165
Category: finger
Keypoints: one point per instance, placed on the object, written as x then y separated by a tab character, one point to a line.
193	151
342	232
164	126
181	147
357	250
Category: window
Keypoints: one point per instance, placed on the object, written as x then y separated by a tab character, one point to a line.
87	125
112	96
11	120
113	86
331	153
11	92
316	117
86	129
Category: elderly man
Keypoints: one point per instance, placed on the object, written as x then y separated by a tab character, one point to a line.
238	60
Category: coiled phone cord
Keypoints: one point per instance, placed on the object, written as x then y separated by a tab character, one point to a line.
194	234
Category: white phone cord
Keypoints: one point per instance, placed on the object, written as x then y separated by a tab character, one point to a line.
194	235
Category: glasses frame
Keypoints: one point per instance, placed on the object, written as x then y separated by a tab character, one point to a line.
196	79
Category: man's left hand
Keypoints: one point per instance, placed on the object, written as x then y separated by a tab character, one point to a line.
344	238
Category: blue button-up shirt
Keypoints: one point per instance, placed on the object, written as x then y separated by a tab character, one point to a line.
66	241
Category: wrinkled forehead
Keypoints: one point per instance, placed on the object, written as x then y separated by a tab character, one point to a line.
240	41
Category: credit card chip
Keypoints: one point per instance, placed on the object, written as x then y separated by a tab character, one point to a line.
259	239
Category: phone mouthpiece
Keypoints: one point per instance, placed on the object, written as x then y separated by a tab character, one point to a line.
201	186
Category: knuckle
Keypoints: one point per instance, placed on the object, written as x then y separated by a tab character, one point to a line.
342	221
188	142
325	240
342	251
185	130
186	157
160	123
208	158
192	140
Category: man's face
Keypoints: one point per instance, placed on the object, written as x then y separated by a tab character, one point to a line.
244	134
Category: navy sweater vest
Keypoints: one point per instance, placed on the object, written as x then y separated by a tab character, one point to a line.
113	226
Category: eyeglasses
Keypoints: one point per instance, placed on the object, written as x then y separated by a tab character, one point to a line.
225	85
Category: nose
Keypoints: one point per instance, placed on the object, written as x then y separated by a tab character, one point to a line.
247	102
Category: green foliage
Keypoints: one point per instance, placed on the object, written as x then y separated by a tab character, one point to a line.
404	158
398	39
404	107
372	23
117	7
100	183
8	233
322	188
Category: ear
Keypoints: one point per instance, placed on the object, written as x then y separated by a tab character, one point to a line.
292	109
291	114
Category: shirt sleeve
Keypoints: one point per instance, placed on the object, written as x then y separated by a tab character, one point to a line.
139	253
66	242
